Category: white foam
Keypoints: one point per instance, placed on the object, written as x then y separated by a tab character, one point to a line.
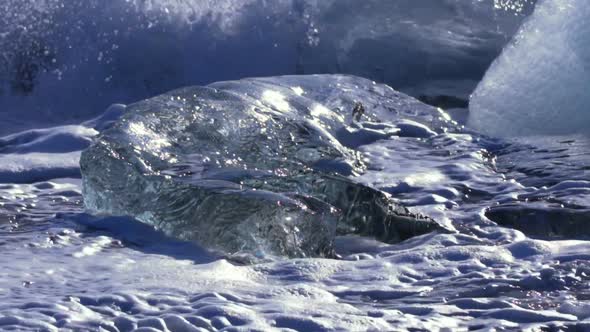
32	167
43	154
62	269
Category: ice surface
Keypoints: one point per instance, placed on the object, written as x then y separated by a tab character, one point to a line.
539	85
64	61
258	165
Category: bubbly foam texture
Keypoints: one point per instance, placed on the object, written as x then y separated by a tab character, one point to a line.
65	270
539	83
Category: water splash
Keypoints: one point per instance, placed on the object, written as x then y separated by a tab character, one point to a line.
63	61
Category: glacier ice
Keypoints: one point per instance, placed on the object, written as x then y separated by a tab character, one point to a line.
256	165
539	85
66	60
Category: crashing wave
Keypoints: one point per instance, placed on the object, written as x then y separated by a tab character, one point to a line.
257	165
66	60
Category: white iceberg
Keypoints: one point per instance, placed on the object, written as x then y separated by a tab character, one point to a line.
539	85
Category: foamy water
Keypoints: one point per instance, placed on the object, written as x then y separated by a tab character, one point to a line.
67	270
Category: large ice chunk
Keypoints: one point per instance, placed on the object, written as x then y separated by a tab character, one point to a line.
540	82
257	165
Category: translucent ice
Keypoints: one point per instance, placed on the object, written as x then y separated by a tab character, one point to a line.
257	165
540	82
